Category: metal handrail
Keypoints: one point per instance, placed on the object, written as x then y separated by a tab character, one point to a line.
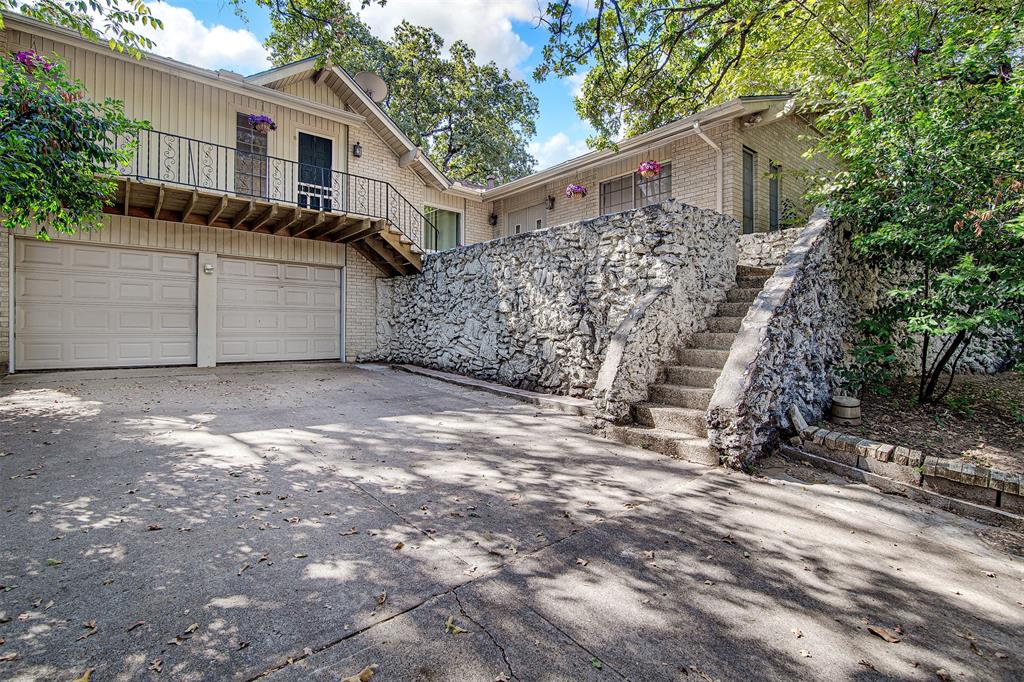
186	161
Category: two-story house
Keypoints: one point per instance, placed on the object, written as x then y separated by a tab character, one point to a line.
229	242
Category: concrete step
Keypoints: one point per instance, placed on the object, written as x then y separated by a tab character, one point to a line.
681	396
724	324
672	418
703	358
742	295
712	340
732	309
752	271
751	282
700	377
671	443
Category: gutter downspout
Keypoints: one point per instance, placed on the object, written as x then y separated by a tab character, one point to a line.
719	164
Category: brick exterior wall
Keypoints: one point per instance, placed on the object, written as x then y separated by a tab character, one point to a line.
360	305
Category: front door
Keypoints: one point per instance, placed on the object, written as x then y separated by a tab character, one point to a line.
314	189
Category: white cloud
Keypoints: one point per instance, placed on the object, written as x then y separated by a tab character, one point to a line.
187	39
575	82
485	25
557	148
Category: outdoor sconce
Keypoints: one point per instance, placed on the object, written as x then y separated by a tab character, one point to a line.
492	219
357	150
551	202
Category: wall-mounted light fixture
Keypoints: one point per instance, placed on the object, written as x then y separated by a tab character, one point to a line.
492	219
551	202
357	150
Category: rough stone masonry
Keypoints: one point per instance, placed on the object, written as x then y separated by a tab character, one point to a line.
537	310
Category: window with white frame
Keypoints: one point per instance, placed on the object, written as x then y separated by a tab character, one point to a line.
448	234
635	191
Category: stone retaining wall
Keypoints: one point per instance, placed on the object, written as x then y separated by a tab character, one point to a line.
766	249
538	310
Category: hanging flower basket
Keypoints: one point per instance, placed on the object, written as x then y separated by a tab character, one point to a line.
262	123
649	169
575	191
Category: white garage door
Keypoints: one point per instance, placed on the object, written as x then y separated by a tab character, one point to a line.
79	305
277	311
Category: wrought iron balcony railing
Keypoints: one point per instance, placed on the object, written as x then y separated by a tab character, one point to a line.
179	160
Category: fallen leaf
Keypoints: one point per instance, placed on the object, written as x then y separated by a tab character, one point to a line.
86	676
594	662
999	654
942	674
581	562
350	531
243	569
135	625
90	625
156	664
975	649
53	562
866	664
399	545
242	645
796	632
363	675
727	539
382	597
154	526
451	627
300	555
990	574
12	656
805	653
884	633
192	628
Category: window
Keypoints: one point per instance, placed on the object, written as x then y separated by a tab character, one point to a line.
250	159
449	229
773	196
617	195
636	191
651	191
748	191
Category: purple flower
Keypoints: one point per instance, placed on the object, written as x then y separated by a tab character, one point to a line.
575	190
260	120
31	60
651	168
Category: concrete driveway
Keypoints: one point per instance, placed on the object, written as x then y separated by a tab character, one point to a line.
303	522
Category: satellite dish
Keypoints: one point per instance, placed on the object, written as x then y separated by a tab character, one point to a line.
373	85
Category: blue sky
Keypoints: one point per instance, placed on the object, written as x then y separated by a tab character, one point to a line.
208	33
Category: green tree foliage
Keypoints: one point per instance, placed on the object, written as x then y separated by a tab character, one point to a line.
110	21
56	151
920	102
471	119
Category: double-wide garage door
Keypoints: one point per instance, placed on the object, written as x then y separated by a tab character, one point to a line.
84	305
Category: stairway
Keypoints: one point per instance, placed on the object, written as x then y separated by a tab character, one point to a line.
674	420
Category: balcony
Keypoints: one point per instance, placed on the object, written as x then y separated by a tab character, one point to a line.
203	183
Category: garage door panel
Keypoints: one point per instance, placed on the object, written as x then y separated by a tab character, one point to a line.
98	306
278	311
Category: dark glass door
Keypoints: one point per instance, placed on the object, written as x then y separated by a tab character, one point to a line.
314	189
748	191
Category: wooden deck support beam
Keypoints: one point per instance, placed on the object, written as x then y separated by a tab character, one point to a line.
217	211
264	218
190	206
244	215
161	193
287	224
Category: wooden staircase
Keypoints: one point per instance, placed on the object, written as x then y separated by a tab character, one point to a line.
674	419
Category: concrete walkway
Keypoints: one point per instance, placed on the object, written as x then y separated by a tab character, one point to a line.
302	522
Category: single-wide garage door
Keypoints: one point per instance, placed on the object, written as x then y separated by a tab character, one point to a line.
277	311
85	305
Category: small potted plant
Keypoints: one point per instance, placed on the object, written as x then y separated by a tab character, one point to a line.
262	123
574	191
649	169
